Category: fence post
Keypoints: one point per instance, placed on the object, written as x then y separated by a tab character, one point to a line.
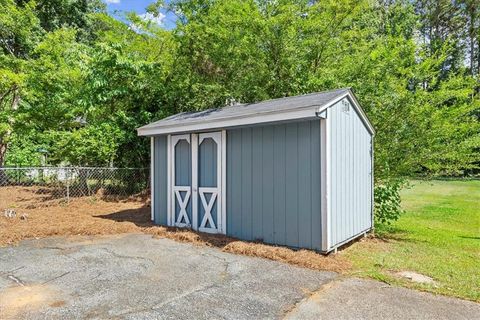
67	176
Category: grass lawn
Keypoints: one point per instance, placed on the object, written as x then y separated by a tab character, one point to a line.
438	236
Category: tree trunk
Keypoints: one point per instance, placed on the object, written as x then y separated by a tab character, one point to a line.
4	139
3	175
471	32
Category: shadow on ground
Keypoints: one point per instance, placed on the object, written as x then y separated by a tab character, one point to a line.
141	218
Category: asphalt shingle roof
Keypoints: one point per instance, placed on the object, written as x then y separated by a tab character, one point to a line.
269	106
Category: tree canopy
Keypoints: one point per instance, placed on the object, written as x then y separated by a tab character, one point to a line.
77	82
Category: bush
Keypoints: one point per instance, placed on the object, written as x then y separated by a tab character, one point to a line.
387	201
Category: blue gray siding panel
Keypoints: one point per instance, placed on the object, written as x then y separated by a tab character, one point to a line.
273	184
246	184
160	179
279	184
291	191
257	181
315	185
266	193
234	204
351	187
304	192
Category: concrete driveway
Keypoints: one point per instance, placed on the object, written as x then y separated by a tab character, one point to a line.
137	277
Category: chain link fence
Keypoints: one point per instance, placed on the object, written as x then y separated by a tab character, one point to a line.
53	183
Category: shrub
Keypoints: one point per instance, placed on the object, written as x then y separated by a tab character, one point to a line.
387	201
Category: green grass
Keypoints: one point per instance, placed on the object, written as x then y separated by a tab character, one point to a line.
438	236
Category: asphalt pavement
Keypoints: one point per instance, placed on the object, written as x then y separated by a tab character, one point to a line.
135	276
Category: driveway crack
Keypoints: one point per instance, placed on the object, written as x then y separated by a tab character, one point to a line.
57	277
117	255
314	294
223	260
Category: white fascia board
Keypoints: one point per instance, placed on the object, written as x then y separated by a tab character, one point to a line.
274	116
356	105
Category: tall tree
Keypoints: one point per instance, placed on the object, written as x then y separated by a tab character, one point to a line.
471	9
19	32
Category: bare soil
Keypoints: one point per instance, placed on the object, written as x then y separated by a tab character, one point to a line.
14	299
44	217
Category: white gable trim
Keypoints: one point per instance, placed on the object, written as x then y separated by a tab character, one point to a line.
353	100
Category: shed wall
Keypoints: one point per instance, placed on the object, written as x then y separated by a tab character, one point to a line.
160	179
351	175
273	184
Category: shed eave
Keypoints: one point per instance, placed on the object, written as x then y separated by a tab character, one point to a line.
228	122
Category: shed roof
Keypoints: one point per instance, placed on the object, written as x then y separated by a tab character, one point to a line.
275	110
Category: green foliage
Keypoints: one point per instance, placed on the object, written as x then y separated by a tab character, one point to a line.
88	146
387	201
68	71
24	151
55	14
251	51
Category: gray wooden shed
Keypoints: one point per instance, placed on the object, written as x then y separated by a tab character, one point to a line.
294	171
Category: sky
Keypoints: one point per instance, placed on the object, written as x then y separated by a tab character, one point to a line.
117	7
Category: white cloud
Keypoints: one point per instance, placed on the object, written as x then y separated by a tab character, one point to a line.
149	17
134	28
112	1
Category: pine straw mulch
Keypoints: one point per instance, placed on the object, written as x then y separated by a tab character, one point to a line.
103	216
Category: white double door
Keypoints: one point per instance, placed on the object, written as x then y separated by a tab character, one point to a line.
197	179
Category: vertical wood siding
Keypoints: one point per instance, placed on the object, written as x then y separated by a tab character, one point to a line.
160	179
273	184
350	175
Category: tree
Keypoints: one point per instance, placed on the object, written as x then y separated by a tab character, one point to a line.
19	32
471	9
256	50
75	70
34	74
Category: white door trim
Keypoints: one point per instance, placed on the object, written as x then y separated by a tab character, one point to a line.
217	192
152	178
224	183
174	193
194	146
208	206
169	180
183	204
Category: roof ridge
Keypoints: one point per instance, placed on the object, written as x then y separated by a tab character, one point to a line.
286	97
